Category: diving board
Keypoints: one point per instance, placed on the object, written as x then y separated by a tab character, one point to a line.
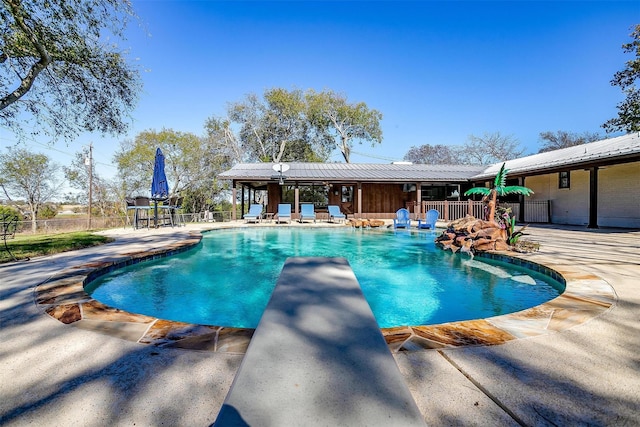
318	357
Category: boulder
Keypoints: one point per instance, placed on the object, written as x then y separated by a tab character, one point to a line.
472	235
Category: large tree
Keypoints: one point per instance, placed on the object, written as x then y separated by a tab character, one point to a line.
276	129
628	119
191	165
490	148
331	113
28	175
62	71
562	139
433	154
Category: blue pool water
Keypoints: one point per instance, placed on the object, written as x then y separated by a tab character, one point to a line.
228	279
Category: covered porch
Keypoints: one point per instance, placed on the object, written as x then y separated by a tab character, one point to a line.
372	191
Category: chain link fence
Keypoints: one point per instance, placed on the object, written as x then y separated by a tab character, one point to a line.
67	225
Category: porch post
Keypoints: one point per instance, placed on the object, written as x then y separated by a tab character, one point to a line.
359	200
234	200
242	202
296	200
419	200
521	200
593	197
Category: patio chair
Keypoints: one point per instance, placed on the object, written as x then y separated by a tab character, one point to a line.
176	210
284	212
307	211
254	214
430	220
141	212
402	219
334	213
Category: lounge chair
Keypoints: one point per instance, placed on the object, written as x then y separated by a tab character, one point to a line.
402	219
430	220
334	213
307	211
254	214
284	212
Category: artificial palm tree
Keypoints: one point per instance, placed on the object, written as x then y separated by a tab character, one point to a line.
501	188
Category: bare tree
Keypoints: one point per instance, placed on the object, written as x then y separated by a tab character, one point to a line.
433	154
561	139
490	148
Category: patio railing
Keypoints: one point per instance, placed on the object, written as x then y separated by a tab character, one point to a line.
534	210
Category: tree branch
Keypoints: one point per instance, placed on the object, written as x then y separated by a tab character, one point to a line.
45	59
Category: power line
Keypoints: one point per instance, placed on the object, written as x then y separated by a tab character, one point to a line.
48	147
389	159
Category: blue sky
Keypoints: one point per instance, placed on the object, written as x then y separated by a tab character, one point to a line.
438	71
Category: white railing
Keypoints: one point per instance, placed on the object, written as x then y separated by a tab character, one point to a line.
534	210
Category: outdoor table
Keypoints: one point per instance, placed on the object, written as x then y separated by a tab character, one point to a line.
137	210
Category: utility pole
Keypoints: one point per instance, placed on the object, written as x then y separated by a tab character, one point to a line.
89	162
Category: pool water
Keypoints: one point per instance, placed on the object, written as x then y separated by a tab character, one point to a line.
228	279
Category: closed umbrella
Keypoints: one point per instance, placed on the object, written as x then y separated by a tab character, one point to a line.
159	184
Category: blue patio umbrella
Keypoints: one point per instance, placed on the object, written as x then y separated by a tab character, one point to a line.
159	184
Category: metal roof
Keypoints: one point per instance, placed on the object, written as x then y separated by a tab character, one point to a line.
372	172
603	151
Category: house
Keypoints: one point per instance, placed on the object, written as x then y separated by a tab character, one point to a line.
594	184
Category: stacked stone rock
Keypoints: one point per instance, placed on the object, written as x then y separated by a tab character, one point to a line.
472	235
364	223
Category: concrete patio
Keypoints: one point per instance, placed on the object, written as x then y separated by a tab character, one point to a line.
55	374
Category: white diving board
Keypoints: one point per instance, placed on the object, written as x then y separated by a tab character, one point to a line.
318	358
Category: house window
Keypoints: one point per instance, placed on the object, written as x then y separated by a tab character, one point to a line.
564	181
347	193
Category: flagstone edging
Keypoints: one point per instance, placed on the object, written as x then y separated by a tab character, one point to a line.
64	298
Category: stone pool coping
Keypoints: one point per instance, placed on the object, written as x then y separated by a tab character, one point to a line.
63	297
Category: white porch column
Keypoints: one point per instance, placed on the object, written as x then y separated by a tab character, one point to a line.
359	200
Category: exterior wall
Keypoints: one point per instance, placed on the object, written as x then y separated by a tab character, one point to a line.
380	199
619	196
568	205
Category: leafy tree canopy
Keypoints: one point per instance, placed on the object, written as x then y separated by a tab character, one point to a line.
28	175
291	125
628	119
61	61
191	165
331	113
562	139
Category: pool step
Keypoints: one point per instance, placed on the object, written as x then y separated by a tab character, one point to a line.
318	357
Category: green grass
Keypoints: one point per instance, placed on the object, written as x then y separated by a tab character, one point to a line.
23	247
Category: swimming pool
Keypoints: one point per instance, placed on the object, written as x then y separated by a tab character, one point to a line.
228	279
